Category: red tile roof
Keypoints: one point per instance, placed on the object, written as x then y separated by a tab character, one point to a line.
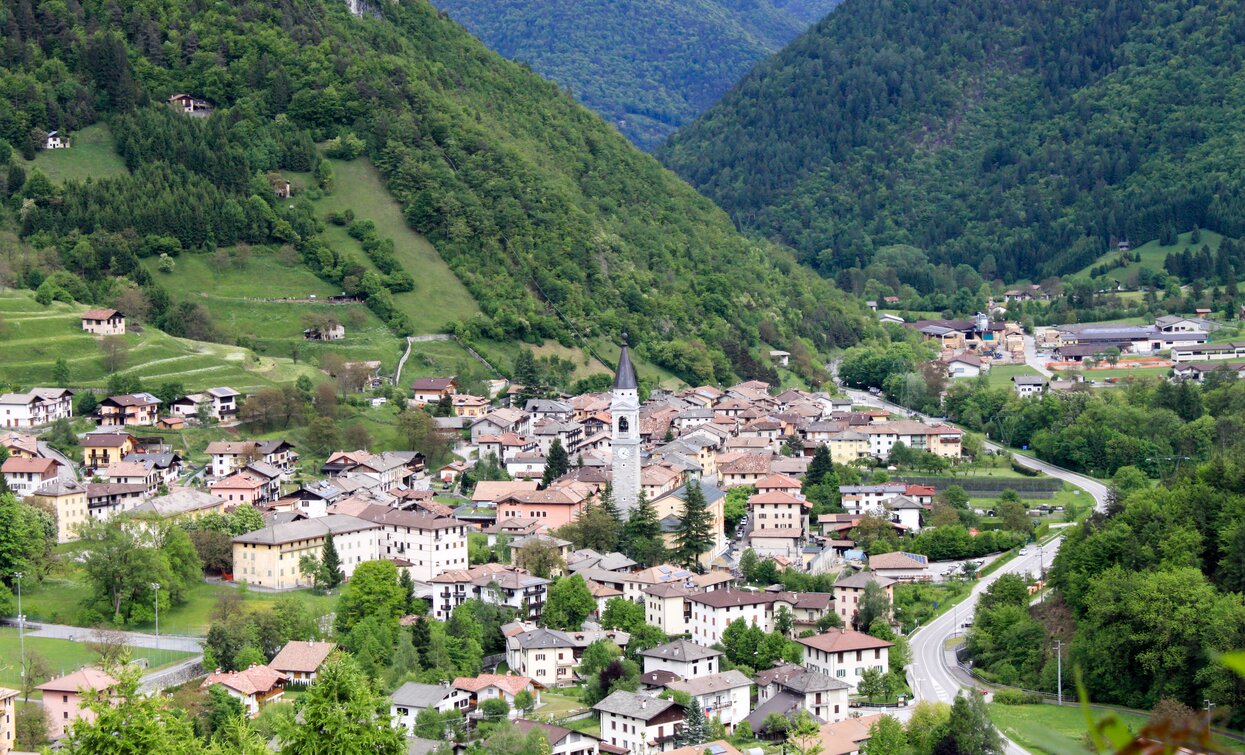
843	640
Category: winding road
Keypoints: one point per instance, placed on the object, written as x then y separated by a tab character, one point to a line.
933	674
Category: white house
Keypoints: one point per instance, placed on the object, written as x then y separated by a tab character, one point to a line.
639	723
666	606
562	741
253	687
38	406
496	687
491	583
788	688
965	365
424	544
1029	385
726	696
849	591
408	700
24	476
713	611
56	140
682	657
845	654
550	656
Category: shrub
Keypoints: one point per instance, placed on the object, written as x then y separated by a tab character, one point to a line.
1017	697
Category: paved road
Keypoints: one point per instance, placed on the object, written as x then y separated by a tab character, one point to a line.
933	674
134	639
1033	360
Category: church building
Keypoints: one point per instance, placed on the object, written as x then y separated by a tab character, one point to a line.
625	408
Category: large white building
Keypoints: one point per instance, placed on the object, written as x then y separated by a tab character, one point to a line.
490	583
845	655
639	723
550	656
712	612
726	696
38	406
423	544
787	689
683	658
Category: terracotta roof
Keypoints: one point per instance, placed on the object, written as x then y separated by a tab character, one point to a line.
778	482
845	737
20	465
253	680
301	656
898	560
99	314
511	684
238	480
843	640
725	598
775	497
88	678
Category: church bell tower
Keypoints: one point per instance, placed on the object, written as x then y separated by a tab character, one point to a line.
625	411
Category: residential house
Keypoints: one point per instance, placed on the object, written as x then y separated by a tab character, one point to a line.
38	406
940	440
849	591
1029	385
904	567
19	444
135	409
425	545
411	698
684	658
638	723
220	404
132	473
554	506
845	655
671	506
25	476
192	106
491	491
101	449
466	405
491	583
105	500
230	456
8	719
67	497
965	365
56	140
242	487
167	466
63	697
713	611
254	687
787	689
847	737
431	390
269	557
103	322
496	687
666	606
550	656
744	469
726	696
562	741
300	660
500	422
633	584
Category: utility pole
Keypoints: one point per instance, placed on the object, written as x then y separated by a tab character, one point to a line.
21	628
156	586
1059	669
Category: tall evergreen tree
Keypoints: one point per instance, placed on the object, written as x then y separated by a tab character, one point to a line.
819	467
695	534
557	463
330	565
608	504
408	590
695	727
642	534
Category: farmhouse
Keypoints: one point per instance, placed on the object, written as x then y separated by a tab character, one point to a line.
56	140
103	322
189	105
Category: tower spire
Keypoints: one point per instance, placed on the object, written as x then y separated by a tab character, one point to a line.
624	378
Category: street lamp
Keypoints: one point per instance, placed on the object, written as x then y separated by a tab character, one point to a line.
156	586
1209	707
21	626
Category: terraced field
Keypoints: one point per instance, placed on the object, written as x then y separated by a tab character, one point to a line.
240	300
34	337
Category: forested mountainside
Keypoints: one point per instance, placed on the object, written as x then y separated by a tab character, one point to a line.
557	225
1019	136
647	66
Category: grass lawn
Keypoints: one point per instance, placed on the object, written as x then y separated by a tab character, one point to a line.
590	726
1152	256
1059	729
58	599
554	705
503	355
34	337
91	155
65	656
439	297
1001	375
1124	372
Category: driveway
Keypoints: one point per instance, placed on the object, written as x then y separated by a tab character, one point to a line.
1033	360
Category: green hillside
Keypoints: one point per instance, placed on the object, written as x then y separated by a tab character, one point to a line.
1017	138
557	227
34	337
1151	256
647	66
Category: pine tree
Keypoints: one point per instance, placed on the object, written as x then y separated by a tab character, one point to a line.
60	373
408	590
694	726
330	565
557	463
607	503
695	535
819	467
642	534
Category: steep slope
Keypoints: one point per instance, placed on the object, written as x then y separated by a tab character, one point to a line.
556	225
1019	135
647	66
